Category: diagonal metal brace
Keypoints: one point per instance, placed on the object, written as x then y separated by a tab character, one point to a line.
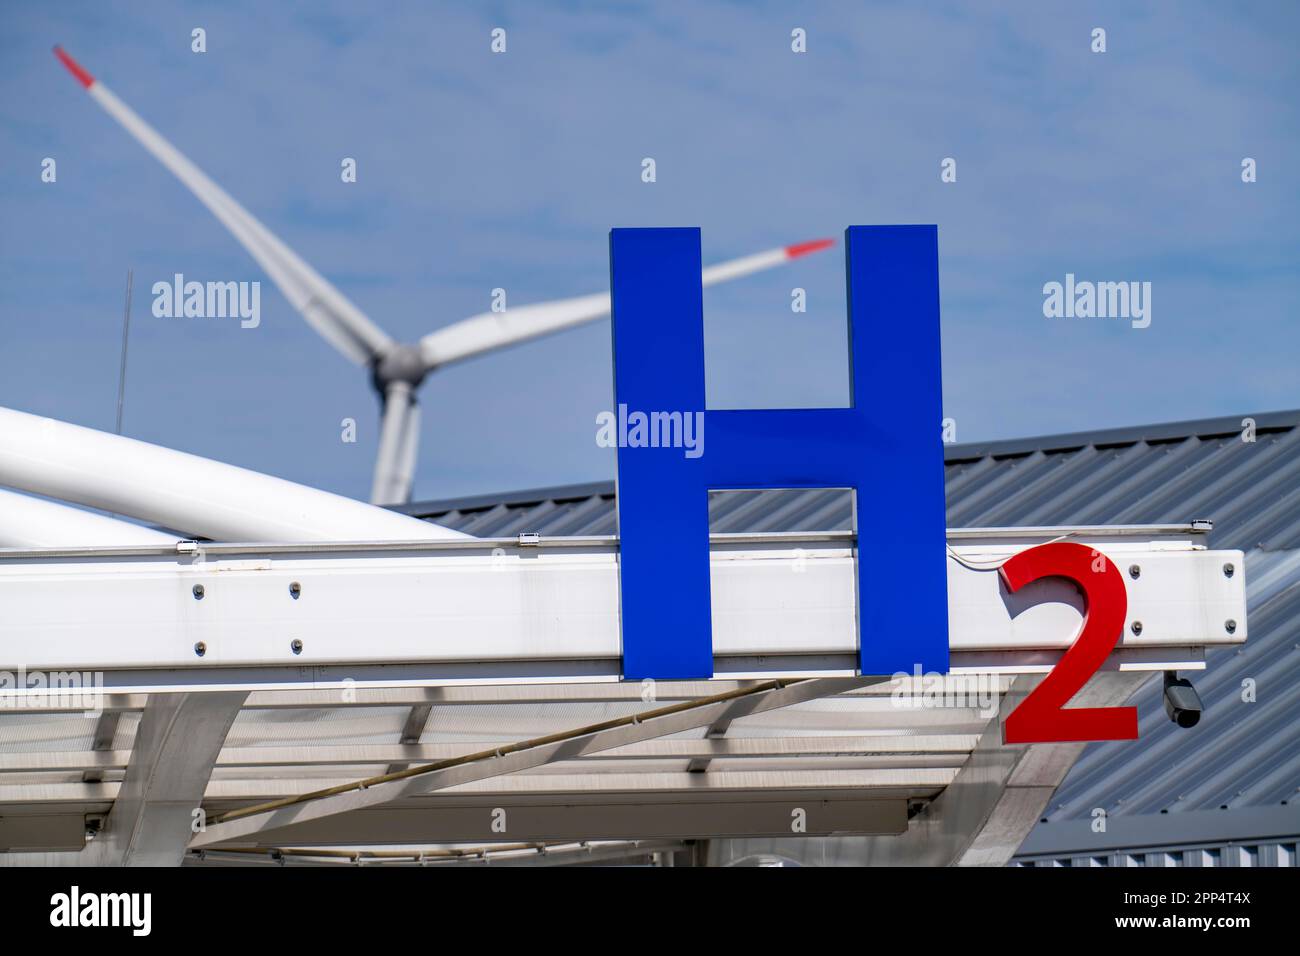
251	824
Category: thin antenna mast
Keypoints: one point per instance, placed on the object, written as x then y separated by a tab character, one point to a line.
126	329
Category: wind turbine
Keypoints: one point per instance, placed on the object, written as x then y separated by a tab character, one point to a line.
397	369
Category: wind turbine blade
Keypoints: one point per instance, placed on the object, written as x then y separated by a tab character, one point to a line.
399	442
27	522
493	330
186	492
326	309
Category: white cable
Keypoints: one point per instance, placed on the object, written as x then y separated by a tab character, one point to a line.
998	562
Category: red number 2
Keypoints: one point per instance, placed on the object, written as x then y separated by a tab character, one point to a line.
1042	716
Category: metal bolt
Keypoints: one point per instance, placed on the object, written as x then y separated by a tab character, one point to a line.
1230	626
1134	571
295	589
200	648
1136	627
1228	570
296	646
198	592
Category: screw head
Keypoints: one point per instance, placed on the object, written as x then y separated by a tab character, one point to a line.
296	646
295	590
1134	571
1230	626
1136	627
200	648
198	592
1229	570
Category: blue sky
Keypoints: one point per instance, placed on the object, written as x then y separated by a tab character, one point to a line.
479	170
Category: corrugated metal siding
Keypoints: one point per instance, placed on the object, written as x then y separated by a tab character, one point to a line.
1242	754
1265	853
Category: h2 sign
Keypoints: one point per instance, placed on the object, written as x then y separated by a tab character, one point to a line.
885	446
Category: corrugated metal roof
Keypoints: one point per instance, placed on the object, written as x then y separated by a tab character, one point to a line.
1243	754
1153	474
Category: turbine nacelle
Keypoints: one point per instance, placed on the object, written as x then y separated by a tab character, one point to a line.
401	363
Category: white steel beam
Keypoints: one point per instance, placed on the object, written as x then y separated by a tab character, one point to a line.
194	495
578	852
498	611
732	748
477	694
28	522
235	794
155	808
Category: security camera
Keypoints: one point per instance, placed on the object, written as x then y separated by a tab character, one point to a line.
1182	703
94	825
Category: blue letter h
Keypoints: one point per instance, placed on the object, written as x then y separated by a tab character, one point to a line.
886	446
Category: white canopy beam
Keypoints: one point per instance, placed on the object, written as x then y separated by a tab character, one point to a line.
195	495
27	522
161	794
322	755
498	611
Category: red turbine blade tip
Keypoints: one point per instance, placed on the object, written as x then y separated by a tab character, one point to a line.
805	248
74	67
